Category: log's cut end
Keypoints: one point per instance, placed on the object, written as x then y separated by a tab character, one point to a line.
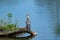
34	33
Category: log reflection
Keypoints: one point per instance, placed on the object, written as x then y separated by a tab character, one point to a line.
17	38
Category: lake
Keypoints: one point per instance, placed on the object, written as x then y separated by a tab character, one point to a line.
44	15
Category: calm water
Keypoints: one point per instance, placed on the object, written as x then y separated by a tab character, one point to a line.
43	16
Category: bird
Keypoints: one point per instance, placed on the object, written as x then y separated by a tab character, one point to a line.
28	21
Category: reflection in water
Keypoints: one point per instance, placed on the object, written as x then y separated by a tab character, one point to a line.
57	29
17	38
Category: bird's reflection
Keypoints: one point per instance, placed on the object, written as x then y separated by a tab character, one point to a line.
17	38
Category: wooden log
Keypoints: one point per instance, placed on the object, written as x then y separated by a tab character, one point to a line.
15	32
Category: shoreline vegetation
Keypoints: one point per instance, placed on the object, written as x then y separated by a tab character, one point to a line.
7	25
